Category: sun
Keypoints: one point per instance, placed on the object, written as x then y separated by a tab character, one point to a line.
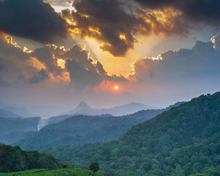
116	87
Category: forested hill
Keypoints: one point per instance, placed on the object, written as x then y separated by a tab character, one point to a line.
14	159
182	141
81	129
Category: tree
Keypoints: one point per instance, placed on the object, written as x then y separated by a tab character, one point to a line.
94	166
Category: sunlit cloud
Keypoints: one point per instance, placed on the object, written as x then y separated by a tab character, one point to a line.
73	67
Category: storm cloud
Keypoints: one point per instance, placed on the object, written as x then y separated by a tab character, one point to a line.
204	11
197	67
83	70
32	19
72	67
115	24
18	67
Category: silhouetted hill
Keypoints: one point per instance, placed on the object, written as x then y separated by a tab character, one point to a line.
84	109
126	109
182	141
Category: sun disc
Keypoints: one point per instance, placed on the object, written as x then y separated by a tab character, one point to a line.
116	87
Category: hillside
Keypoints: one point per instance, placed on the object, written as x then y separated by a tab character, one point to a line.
81	129
78	130
14	159
182	141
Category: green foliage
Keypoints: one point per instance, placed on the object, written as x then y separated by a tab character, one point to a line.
46	172
182	141
14	159
78	130
94	166
65	165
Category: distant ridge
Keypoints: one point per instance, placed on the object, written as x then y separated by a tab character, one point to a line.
76	130
81	107
85	109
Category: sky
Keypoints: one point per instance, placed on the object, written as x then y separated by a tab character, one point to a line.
61	52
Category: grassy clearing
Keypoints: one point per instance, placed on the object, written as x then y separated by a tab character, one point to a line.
46	172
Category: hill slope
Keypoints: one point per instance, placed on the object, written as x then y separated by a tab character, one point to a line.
182	141
78	130
14	159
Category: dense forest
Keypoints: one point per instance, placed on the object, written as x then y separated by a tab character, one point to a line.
182	141
81	129
14	159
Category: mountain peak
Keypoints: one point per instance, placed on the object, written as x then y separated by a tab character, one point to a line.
82	105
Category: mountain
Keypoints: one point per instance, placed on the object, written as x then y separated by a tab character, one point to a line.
184	140
126	109
84	109
81	129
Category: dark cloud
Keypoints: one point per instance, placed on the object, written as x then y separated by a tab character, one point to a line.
45	56
100	68
205	11
32	19
18	67
83	70
36	78
115	78
111	23
78	70
196	67
81	77
105	21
